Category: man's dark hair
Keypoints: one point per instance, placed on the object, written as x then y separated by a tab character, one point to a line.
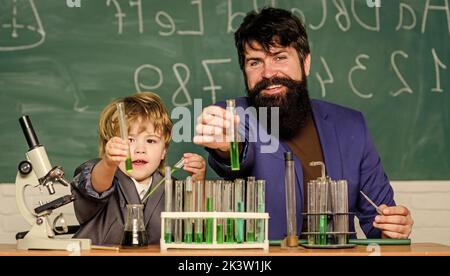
271	27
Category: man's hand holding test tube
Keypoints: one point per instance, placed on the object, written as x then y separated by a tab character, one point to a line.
217	129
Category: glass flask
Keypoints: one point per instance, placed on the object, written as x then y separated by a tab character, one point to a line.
134	234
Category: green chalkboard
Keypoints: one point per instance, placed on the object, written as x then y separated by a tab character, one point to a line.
61	65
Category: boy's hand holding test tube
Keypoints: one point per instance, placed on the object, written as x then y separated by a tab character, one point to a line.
117	149
124	134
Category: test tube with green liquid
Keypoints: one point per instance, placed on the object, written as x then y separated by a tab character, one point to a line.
168	204
198	208
209	208
227	200
239	201
323	198
234	143
312	210
250	208
188	207
178	208
124	134
260	208
217	195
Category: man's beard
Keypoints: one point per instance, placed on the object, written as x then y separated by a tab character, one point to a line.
294	105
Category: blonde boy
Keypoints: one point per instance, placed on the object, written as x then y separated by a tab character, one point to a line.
104	188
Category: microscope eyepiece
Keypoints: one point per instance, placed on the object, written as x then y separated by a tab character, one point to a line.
28	131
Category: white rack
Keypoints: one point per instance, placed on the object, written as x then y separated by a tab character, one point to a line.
215	215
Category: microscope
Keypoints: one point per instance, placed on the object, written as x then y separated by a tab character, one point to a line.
35	171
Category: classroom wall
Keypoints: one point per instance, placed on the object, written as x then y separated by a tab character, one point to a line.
429	202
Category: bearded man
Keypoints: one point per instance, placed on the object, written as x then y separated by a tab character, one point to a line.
274	56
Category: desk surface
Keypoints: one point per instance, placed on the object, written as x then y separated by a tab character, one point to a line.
417	249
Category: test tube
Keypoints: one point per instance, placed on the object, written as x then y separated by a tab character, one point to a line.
311	211
234	143
334	209
239	201
228	207
209	207
260	208
217	194
168	204
188	207
198	208
329	209
291	212
322	209
250	208
124	134
343	205
178	208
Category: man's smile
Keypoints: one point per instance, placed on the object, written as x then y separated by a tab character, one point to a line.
274	89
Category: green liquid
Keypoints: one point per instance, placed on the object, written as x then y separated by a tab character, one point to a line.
209	204
198	237
250	236
168	237
209	231
234	156
230	231
188	238
209	222
128	165
240	224
323	230
219	229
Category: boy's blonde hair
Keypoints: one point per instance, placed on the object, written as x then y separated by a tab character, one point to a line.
146	106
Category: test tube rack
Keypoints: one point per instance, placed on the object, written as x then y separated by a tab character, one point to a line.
327	212
215	216
328	239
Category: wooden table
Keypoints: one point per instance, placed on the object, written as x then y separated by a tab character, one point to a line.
415	249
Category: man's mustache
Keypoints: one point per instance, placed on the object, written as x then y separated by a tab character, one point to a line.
266	82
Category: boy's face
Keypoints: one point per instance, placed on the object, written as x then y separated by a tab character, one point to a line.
147	149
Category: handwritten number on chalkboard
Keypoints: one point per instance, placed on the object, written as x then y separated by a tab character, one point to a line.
212	86
322	82
437	63
139	86
359	66
406	88
170	23
182	83
342	12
